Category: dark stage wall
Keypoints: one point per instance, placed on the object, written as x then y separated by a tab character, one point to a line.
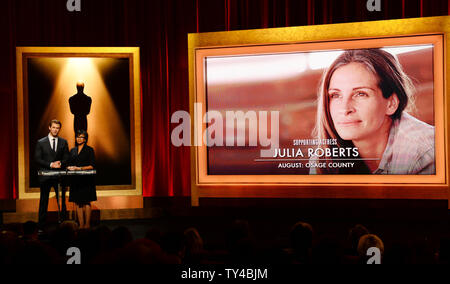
160	29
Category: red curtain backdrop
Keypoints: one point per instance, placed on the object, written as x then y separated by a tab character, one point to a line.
159	28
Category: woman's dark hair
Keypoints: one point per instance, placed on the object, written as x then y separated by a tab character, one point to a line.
79	133
391	80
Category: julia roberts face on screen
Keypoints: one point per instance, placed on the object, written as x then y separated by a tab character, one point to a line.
357	107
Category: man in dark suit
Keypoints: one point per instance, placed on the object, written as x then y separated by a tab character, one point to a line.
52	153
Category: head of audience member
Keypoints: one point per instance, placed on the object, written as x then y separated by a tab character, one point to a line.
143	251
444	251
302	240
9	246
64	236
238	230
120	237
173	244
327	250
354	235
365	243
240	242
194	242
154	234
30	230
36	252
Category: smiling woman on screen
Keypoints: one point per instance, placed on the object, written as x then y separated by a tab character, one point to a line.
362	104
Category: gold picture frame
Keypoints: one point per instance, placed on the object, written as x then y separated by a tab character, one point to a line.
23	54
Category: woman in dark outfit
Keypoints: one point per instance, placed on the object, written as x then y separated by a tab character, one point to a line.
82	189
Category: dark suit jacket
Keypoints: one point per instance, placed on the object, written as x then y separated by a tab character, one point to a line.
44	155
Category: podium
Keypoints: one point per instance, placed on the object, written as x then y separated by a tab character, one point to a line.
60	174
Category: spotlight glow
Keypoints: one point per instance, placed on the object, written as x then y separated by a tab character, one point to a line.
254	68
106	132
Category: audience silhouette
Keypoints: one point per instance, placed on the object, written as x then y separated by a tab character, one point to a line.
20	244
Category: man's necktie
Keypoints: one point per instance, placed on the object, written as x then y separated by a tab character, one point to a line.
54	149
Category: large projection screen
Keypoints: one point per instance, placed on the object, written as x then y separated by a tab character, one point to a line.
309	111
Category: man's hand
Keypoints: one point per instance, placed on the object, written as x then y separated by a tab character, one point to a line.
55	165
73	168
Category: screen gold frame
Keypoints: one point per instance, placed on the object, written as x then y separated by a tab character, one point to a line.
433	30
22	53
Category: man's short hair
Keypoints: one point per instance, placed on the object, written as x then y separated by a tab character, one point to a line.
54	121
